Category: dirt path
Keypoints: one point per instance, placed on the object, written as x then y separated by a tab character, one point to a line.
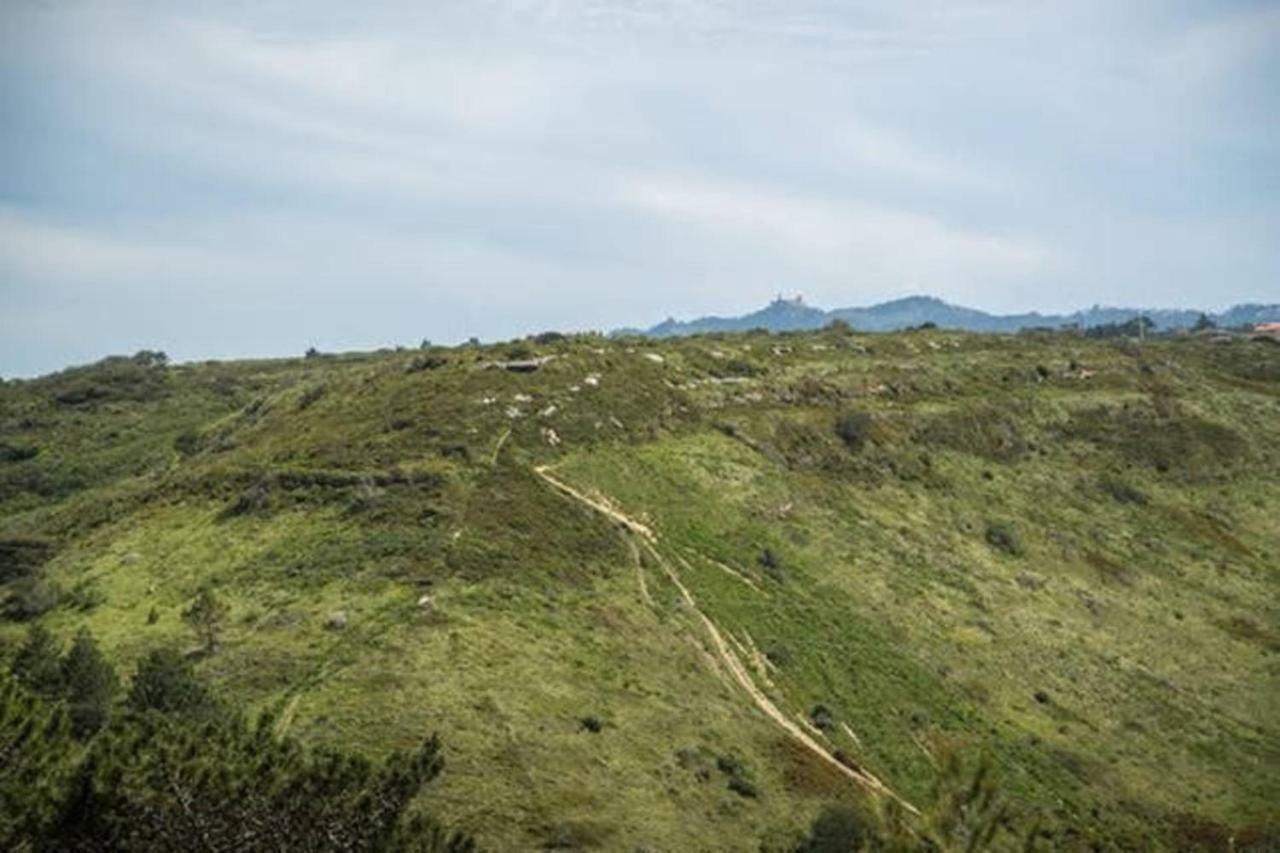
599	505
639	564
727	656
733	573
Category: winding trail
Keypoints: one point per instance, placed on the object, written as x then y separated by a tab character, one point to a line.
727	656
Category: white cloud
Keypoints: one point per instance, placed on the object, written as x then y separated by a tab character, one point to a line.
888	243
359	173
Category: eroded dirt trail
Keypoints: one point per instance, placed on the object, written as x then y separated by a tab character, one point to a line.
724	651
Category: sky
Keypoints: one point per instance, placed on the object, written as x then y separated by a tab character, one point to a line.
255	178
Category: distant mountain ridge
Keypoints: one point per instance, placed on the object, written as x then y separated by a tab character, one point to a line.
786	315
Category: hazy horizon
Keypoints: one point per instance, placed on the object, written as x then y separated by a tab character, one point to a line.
250	181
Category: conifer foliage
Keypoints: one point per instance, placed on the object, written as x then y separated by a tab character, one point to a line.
171	769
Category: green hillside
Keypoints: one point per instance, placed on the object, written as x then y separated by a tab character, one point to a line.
687	594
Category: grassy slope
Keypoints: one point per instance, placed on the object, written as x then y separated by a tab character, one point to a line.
1120	666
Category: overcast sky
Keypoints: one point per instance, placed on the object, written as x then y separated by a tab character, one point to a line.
255	178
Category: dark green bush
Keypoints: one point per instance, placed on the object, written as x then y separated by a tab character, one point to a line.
425	362
771	564
255	498
1122	492
1001	536
838	829
854	428
187	442
32	596
165	681
23	555
17	452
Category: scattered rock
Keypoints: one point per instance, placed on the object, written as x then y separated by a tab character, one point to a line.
548	411
655	358
522	398
426	602
523	365
513	412
550	436
593	380
336	621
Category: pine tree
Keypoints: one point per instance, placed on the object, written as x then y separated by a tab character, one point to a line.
90	685
166	782
165	681
35	752
206	616
36	663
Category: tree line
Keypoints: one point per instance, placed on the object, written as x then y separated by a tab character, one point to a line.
88	763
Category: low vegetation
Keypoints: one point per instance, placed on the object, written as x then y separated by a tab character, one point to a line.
813	591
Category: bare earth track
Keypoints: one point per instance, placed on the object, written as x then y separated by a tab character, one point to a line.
732	662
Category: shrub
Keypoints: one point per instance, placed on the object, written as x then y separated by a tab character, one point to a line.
981	430
778	654
165	681
17	453
1122	492
310	397
31	597
803	445
85	595
854	428
22	555
187	442
1001	536
255	498
822	718
838	829
425	362
740	367
771	564
738	778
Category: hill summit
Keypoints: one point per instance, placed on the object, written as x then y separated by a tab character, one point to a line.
787	315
